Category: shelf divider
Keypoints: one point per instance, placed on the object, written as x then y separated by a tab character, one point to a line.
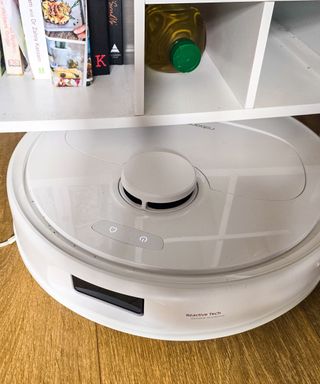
236	35
139	37
262	39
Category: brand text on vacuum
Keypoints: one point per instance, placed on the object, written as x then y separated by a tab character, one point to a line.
204	315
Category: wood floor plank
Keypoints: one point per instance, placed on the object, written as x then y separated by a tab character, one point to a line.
7	144
286	350
40	340
311	307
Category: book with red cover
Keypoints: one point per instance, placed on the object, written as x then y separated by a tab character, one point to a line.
99	36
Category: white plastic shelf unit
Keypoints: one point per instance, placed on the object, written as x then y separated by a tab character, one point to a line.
262	59
227	76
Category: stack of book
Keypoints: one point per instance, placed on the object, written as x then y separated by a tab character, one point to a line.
67	41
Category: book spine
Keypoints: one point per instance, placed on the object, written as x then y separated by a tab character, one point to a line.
99	36
2	63
33	26
115	31
12	54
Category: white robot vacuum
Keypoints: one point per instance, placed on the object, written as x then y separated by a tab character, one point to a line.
179	233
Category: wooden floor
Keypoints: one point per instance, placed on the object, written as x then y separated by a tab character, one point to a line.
43	342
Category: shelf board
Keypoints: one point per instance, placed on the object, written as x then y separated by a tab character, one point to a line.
290	73
202	90
24	100
29	105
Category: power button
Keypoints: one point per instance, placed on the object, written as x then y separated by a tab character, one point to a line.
143	239
113	229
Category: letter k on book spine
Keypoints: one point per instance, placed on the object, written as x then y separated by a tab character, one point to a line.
99	37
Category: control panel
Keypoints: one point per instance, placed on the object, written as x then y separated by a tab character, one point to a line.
128	235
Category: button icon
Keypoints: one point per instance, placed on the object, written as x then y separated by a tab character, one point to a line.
143	239
113	229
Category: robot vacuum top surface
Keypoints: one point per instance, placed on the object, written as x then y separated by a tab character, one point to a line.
201	198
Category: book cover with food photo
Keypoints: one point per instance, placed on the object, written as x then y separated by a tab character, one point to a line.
65	24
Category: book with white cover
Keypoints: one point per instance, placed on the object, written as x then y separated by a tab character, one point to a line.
33	26
12	53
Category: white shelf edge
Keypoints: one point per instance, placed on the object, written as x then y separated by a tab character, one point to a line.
159	120
259	54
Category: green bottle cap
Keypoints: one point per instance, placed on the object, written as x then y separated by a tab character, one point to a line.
185	55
